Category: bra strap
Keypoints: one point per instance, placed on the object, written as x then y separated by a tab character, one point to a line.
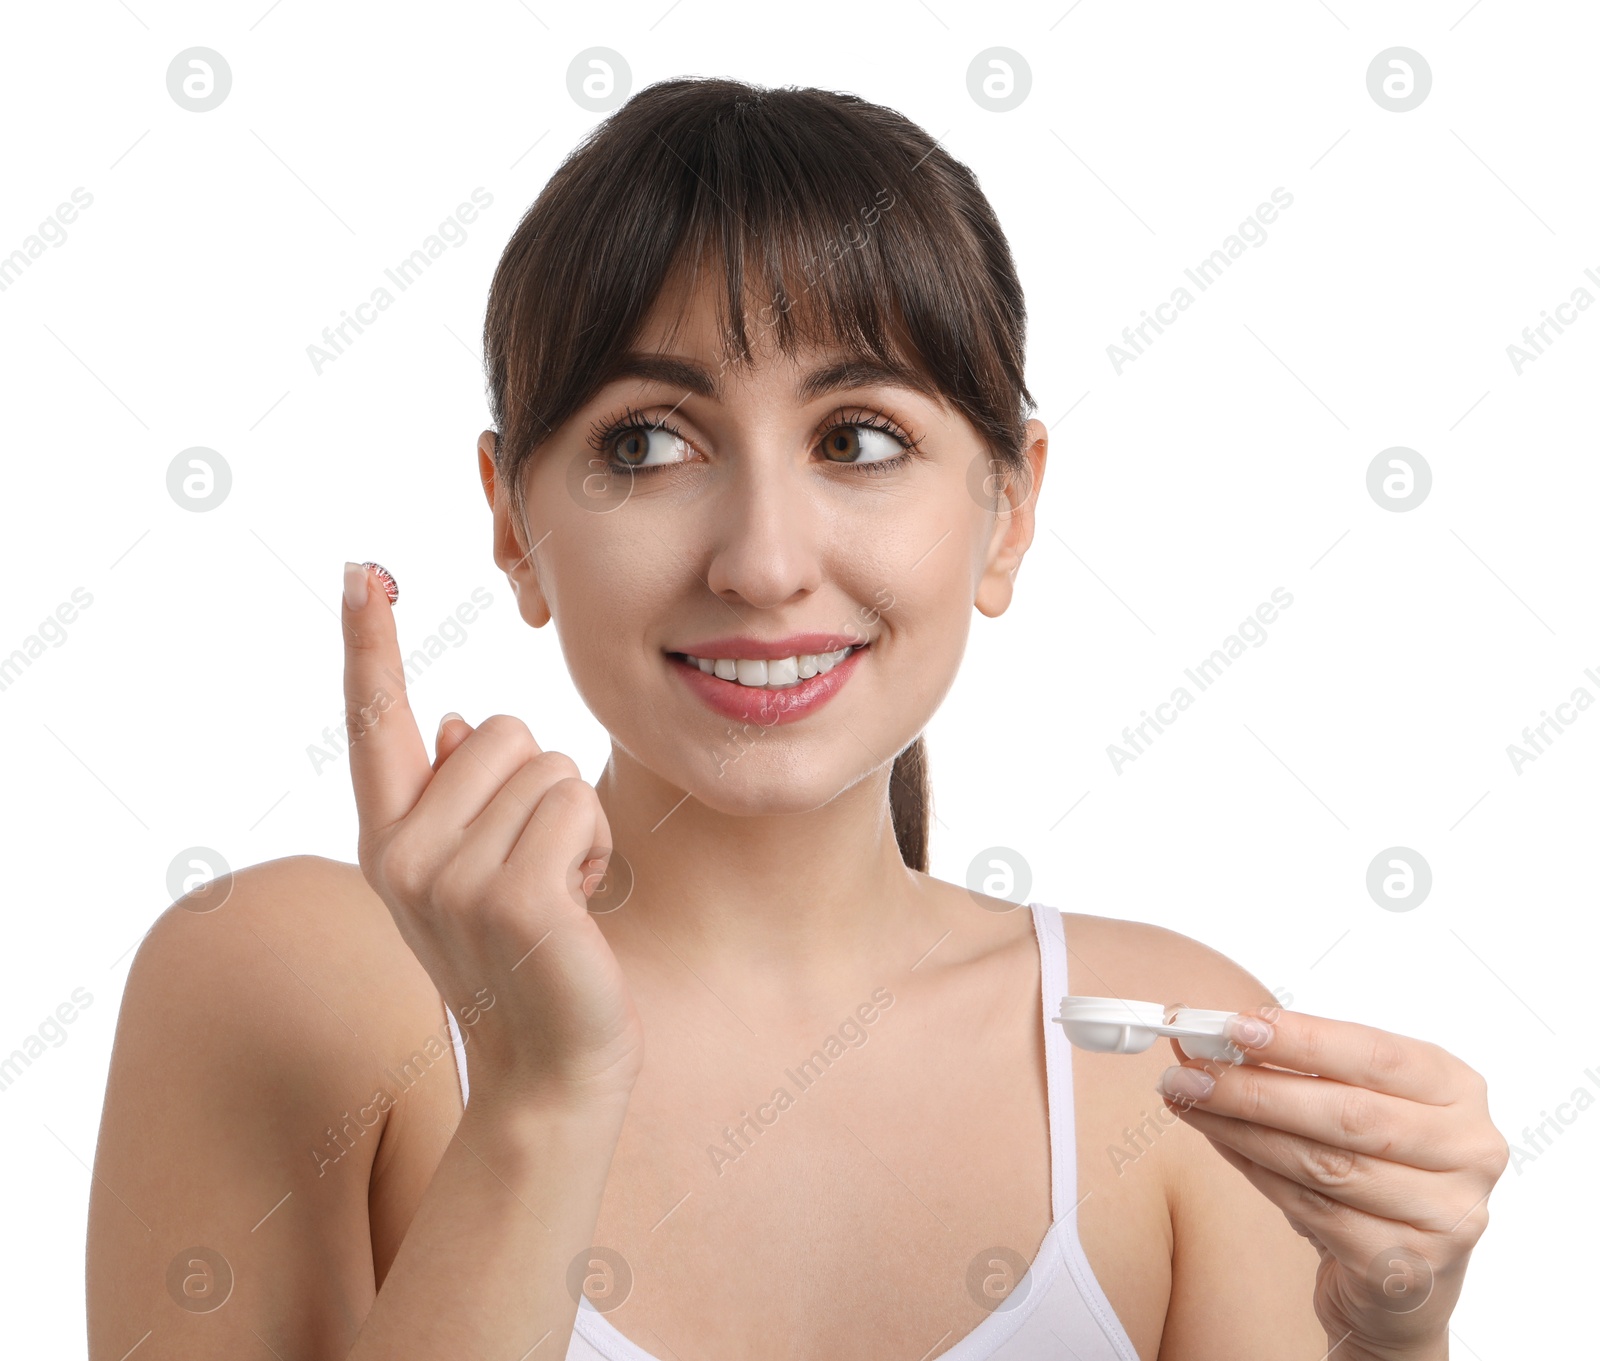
1052	937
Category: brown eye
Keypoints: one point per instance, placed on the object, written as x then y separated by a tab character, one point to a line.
860	444
631	447
842	444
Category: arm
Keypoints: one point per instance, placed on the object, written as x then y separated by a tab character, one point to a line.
1242	1278
235	1048
483	1270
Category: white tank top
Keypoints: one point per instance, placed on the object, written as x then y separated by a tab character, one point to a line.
1058	1308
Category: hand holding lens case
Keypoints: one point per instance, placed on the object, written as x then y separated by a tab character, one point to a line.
1115	1025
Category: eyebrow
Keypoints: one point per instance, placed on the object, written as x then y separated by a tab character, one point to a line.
840	374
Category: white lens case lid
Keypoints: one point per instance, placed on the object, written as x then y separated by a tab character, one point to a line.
1117	1025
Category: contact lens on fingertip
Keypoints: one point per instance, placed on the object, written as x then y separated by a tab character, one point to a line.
391	587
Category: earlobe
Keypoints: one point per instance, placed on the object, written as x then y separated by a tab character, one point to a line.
994	593
523	574
518	565
530	603
998	582
1014	527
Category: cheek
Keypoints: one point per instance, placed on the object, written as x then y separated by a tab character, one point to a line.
603	575
609	596
920	575
928	620
918	605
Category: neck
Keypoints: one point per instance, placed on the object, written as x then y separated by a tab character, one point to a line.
794	906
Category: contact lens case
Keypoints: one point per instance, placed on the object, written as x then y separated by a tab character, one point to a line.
1116	1025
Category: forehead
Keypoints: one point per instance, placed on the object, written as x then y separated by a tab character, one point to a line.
689	316
688	321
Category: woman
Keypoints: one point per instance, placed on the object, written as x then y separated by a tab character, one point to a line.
734	1076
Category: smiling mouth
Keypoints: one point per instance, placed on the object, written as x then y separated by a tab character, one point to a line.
778	673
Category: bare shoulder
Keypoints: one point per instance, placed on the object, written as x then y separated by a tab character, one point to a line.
308	962
1150	963
1114	957
302	937
238	1110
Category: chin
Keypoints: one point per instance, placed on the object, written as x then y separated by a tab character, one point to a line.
740	779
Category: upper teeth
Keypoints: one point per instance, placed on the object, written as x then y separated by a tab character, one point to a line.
774	673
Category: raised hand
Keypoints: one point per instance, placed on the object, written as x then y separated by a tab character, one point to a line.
486	857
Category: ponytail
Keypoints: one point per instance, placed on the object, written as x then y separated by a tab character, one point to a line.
910	804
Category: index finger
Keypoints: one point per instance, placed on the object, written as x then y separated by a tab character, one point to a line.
1360	1055
389	764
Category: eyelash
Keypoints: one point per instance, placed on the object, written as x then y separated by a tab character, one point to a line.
604	435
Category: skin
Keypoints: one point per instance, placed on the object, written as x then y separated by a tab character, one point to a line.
768	900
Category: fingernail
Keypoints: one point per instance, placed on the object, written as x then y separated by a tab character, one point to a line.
355	585
391	587
593	871
1250	1031
443	721
1178	1083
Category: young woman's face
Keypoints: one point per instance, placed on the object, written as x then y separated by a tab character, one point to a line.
711	510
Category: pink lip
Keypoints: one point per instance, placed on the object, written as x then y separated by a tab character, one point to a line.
767	708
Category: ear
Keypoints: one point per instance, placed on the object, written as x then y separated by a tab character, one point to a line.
1013	530
510	553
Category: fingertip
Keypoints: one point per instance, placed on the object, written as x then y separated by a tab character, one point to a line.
355	585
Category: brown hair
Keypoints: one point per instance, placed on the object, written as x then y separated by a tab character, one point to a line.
858	229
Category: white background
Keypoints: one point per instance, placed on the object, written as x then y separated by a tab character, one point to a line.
1227	460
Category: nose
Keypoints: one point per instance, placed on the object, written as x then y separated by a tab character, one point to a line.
768	532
